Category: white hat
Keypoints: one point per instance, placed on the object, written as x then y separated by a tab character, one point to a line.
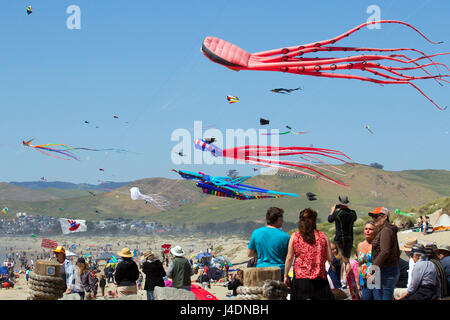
177	251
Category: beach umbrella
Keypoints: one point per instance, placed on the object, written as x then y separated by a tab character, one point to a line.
202	254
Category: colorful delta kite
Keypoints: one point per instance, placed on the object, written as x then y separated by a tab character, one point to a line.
232	99
62	149
257	155
285	91
292	60
29	10
230	188
5	210
368	129
155	199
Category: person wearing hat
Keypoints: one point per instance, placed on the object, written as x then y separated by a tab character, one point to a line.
406	267
127	273
180	270
431	253
425	283
154	273
344	219
66	269
443	253
385	253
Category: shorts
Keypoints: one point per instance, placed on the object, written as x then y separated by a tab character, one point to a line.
345	247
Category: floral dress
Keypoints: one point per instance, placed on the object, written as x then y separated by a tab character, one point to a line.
365	261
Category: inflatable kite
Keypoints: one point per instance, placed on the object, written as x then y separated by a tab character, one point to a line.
231	188
232	99
285	91
292	60
62	149
253	154
155	199
5	210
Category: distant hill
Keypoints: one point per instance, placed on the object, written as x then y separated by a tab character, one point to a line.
369	188
37	185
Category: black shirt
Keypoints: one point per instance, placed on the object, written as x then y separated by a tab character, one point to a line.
344	219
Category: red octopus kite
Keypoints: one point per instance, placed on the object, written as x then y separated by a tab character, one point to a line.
292	60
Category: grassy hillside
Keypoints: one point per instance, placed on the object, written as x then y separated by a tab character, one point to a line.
369	188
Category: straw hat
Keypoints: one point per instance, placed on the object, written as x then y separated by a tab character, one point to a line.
177	251
443	247
149	255
408	244
125	253
60	249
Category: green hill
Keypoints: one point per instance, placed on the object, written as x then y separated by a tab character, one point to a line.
369	188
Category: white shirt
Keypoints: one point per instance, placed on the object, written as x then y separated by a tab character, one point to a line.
410	270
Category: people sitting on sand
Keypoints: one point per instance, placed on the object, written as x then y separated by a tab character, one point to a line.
425	283
443	253
310	248
270	243
406	266
334	269
430	252
237	281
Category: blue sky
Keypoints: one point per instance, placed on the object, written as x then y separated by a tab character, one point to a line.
141	61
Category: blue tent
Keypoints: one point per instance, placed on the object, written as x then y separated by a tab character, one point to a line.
202	254
3	270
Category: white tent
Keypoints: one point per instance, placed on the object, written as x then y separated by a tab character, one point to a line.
442	223
71	254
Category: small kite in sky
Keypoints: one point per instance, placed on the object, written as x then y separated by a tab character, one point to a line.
263	122
116	117
155	199
368	129
180	154
29	10
255	169
232	99
86	122
43	179
62	149
311	196
285	91
101	169
5	210
210	140
92	193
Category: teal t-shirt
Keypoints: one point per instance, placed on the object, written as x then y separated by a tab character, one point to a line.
271	245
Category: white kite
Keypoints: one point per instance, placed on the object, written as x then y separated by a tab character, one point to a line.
155	199
71	226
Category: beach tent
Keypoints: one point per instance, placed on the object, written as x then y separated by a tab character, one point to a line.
442	223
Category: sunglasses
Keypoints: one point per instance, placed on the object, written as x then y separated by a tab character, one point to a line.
376	216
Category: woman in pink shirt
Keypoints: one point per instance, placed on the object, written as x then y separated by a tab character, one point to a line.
311	249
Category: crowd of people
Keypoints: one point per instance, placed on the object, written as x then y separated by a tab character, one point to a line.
376	271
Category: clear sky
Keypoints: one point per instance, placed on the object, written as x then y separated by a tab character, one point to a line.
141	61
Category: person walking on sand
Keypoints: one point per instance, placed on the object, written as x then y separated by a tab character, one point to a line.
344	219
270	244
126	274
385	254
180	270
154	273
311	249
102	284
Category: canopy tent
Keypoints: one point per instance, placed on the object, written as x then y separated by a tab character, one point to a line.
202	254
71	254
442	223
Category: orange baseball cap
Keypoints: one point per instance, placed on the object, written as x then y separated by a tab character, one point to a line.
380	210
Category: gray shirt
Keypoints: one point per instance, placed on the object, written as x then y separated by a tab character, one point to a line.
424	274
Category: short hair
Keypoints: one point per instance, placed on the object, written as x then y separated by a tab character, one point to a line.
272	215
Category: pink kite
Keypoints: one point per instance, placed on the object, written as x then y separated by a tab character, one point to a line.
292	60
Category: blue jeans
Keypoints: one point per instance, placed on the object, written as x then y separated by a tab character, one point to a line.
150	295
366	293
389	278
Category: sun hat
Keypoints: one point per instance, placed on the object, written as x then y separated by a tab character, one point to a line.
60	249
408	244
125	253
443	247
177	251
149	255
379	210
343	200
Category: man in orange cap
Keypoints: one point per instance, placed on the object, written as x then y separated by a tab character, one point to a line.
385	253
66	269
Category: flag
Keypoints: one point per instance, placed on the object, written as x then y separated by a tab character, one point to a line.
71	226
47	243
